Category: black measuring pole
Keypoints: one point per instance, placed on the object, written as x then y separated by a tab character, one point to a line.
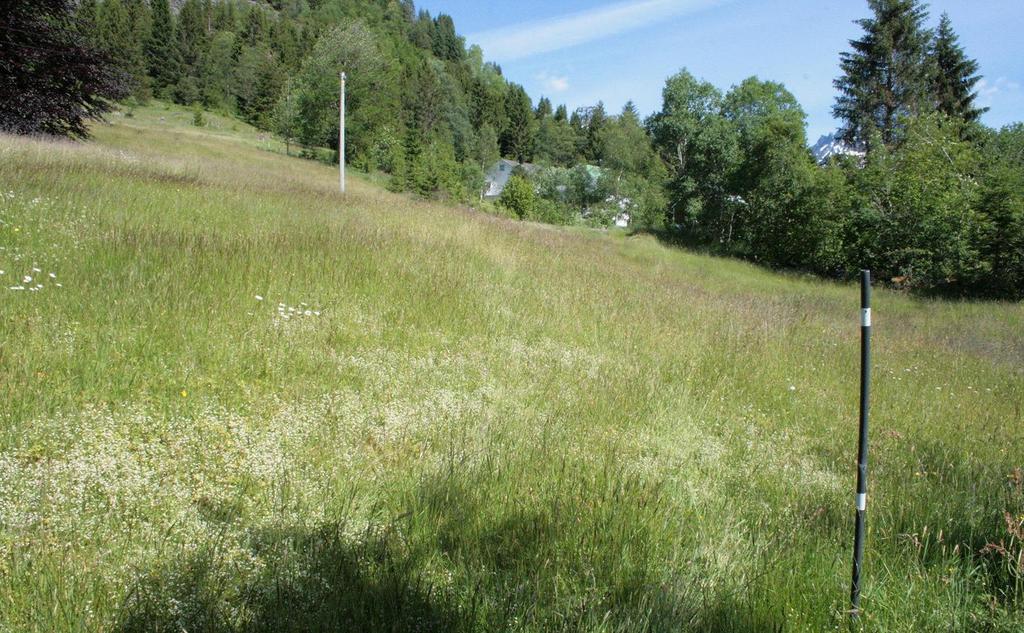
862	448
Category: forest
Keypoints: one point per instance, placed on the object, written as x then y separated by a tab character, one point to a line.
933	201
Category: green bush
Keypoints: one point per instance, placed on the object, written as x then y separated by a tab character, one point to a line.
519	197
551	212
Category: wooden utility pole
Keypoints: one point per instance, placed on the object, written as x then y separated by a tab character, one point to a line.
341	134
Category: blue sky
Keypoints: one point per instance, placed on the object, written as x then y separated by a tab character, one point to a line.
578	52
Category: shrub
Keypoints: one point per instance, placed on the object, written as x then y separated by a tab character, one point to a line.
519	197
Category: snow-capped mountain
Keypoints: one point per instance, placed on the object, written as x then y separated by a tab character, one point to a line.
828	146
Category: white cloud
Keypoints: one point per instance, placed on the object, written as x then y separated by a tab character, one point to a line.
553	83
988	90
545	36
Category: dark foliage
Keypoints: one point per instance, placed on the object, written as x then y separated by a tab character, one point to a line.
52	79
885	76
955	75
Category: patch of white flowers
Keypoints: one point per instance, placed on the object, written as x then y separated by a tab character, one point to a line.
31	281
286	312
55	231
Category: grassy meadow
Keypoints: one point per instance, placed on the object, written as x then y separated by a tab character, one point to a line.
235	400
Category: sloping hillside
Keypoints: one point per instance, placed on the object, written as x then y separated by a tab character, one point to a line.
241	401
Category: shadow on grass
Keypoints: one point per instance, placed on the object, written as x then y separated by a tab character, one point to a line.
583	558
314	581
677	239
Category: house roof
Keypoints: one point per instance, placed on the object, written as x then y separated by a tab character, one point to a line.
497	176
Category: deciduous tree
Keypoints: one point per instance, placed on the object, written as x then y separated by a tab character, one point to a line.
52	79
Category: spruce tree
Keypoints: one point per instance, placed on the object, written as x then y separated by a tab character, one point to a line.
140	19
885	77
224	17
445	43
596	121
161	56
87	20
518	136
256	28
630	111
954	75
190	36
117	29
544	108
422	32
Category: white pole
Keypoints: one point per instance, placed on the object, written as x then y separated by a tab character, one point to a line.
341	134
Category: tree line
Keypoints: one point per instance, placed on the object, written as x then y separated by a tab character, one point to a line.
933	200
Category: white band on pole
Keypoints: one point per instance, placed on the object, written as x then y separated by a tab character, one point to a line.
865	317
862	501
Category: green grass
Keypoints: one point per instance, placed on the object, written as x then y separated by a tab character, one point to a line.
481	425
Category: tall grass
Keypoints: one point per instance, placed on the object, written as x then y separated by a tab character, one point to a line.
254	404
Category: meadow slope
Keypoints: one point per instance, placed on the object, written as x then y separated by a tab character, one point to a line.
243	402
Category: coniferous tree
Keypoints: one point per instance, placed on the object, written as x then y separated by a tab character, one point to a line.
256	27
224	17
544	108
579	131
191	44
87	20
518	136
115	31
885	76
630	111
285	41
556	142
118	29
139	18
161	55
190	36
422	32
445	43
258	80
596	122
487	99
408	10
955	75
218	83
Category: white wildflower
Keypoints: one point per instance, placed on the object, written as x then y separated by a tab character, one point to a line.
53	275
259	298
